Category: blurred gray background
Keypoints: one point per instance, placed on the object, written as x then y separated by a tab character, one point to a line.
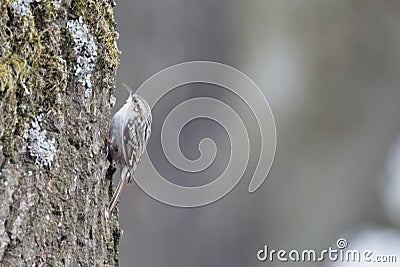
331	73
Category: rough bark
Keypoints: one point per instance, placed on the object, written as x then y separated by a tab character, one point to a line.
57	66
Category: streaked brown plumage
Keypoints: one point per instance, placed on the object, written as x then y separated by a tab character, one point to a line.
128	135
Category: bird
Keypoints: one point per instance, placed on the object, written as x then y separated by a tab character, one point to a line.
129	132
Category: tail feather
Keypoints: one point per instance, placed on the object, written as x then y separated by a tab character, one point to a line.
124	176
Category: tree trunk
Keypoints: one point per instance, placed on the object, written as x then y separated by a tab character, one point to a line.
57	66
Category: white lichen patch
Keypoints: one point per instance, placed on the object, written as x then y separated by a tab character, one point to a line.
57	3
86	52
22	7
39	146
